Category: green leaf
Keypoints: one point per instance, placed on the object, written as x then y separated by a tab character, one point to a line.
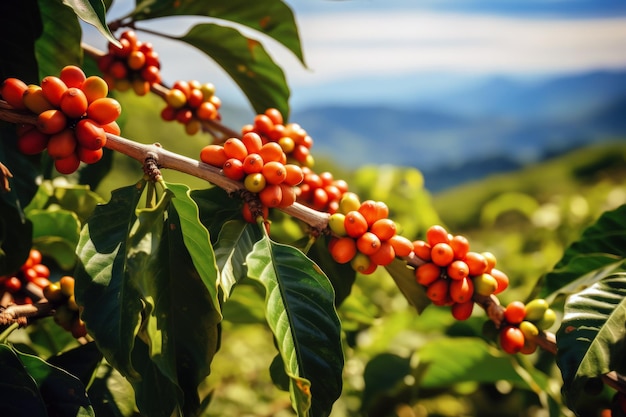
215	209
300	311
341	276
196	239
600	249
404	278
247	63
94	13
15	238
384	377
59	45
63	394
19	395
180	326
235	241
273	18
81	361
112	305
590	340
56	234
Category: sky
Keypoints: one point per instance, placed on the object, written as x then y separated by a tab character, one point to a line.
390	50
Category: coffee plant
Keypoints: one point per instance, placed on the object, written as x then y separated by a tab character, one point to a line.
127	304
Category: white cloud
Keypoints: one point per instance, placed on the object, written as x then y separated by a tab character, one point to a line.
344	45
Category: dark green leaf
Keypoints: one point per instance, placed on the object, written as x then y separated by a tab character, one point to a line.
246	61
63	394
405	280
81	361
93	174
235	241
56	234
590	339
300	311
19	395
59	44
15	238
600	249
20	26
216	208
273	18
112	305
94	13
384	377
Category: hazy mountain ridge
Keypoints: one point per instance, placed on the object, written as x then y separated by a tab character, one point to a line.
511	123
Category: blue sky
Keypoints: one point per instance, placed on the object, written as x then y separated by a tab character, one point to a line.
391	50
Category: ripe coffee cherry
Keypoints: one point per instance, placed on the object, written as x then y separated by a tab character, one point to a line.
74	103
213	155
89	134
233	169
437	291
53	89
72	76
460	246
442	254
355	224
104	110
385	229
515	312
235	148
511	339
32	142
383	256
462	311
294	175
342	249
249	216
253	163
94	88
62	144
427	273
89	156
457	270
12	91
401	245
437	234
422	249
51	121
35	101
272	151
274	172
370	211
461	290
476	262
288	195
501	278
67	165
271	195
368	243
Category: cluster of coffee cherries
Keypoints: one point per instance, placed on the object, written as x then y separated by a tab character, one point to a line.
33	272
66	312
191	103
292	138
521	324
133	65
364	236
321	191
262	167
73	116
452	274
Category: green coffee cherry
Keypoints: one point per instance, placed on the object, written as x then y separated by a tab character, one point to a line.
336	224
535	309
548	320
485	284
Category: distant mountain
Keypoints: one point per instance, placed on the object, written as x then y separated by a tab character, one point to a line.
512	124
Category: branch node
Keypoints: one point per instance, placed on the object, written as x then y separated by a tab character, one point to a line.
151	167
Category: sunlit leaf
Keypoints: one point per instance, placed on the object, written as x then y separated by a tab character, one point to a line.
273	18
247	63
590	339
94	13
600	250
300	311
235	241
404	278
56	234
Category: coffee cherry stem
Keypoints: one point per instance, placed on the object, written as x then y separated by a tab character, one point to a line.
20	313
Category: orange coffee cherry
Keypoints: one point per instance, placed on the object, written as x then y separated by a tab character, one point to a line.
233	169
460	246
206	111
94	88
67	165
342	249
437	234
476	262
274	172
515	312
12	91
457	270
89	156
272	151
104	110
501	278
72	76
461	290
213	155
275	116
271	195
62	144
442	254
401	245
437	291
370	211
354	223
511	339
383	256
112	128
235	148
89	134
74	103
294	176
289	195
462	311
53	89
136	60
253	163
368	243
51	121
422	249
385	229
